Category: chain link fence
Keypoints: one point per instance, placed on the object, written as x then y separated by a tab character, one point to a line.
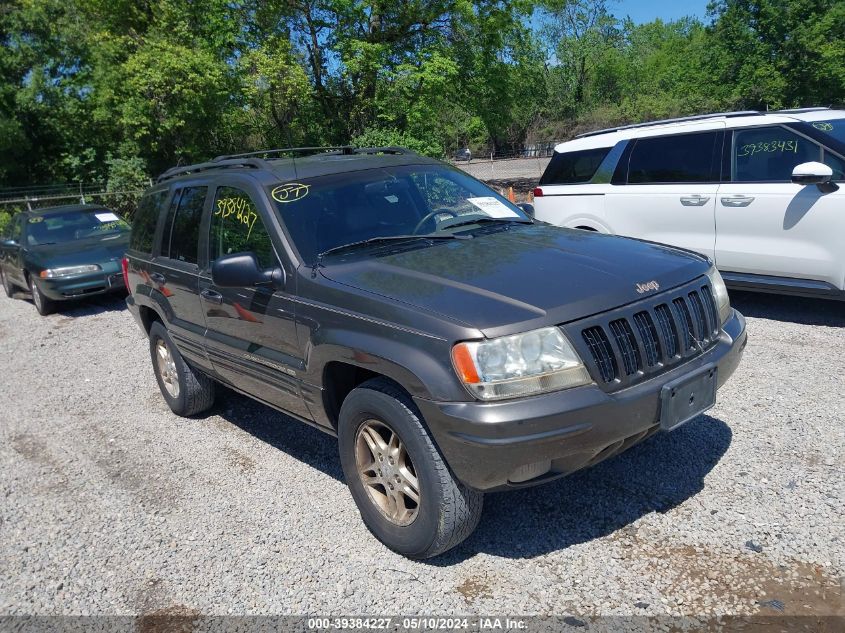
505	173
14	200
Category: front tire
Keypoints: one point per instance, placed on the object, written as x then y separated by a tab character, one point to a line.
405	492
43	304
186	390
8	286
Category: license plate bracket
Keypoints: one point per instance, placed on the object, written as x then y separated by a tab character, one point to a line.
687	397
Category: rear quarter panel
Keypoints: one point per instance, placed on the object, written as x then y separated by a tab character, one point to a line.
573	206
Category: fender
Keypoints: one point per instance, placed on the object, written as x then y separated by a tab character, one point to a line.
424	370
152	298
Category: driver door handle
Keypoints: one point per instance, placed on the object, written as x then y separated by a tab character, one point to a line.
694	201
212	296
737	201
158	278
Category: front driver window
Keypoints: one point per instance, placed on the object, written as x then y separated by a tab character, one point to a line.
236	227
770	154
836	164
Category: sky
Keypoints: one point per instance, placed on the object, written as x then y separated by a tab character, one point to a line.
667	10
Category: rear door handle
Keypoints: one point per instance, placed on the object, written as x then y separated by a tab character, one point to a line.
737	201
158	278
694	201
212	296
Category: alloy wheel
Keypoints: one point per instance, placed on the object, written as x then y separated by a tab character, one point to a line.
387	472
37	299
167	368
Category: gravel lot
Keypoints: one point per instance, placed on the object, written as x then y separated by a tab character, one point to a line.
109	504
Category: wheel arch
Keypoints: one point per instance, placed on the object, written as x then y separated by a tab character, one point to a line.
338	368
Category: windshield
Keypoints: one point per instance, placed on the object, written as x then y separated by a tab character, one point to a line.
326	212
834	128
56	228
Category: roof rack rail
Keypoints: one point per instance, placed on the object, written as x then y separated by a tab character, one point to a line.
797	110
345	149
256	163
391	149
697	117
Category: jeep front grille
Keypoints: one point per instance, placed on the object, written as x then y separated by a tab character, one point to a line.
633	343
602	353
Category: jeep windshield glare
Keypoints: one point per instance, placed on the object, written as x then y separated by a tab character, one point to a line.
393	203
57	228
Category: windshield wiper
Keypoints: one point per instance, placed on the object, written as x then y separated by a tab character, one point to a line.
486	219
395	238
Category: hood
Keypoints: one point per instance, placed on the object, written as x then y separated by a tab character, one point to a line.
78	252
535	273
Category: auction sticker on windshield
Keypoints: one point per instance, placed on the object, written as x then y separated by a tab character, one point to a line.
107	217
493	207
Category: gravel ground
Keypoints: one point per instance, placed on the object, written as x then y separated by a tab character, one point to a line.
112	505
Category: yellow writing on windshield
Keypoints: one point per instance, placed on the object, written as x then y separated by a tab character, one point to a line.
767	147
290	192
824	126
240	209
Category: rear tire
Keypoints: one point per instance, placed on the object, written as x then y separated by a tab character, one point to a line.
186	390
8	286
44	305
446	511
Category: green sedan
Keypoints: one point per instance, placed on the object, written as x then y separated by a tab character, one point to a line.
64	253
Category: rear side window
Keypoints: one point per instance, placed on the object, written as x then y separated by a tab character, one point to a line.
568	168
236	227
144	223
770	154
183	220
680	158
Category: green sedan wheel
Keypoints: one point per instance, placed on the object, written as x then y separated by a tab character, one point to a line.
44	305
8	286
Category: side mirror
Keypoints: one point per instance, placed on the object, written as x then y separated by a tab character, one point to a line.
527	208
241	270
811	174
9	242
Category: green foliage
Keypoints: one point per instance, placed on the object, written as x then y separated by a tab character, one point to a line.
164	82
5	219
127	178
387	137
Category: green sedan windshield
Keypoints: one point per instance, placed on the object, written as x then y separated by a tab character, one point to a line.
73	225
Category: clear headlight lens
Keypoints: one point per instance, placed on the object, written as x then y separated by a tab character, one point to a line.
52	273
519	365
720	294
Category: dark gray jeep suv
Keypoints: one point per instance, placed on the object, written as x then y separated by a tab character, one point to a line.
451	343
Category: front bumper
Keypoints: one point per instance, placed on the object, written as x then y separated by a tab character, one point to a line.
110	279
496	445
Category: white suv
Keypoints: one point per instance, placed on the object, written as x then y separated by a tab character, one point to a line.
754	191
